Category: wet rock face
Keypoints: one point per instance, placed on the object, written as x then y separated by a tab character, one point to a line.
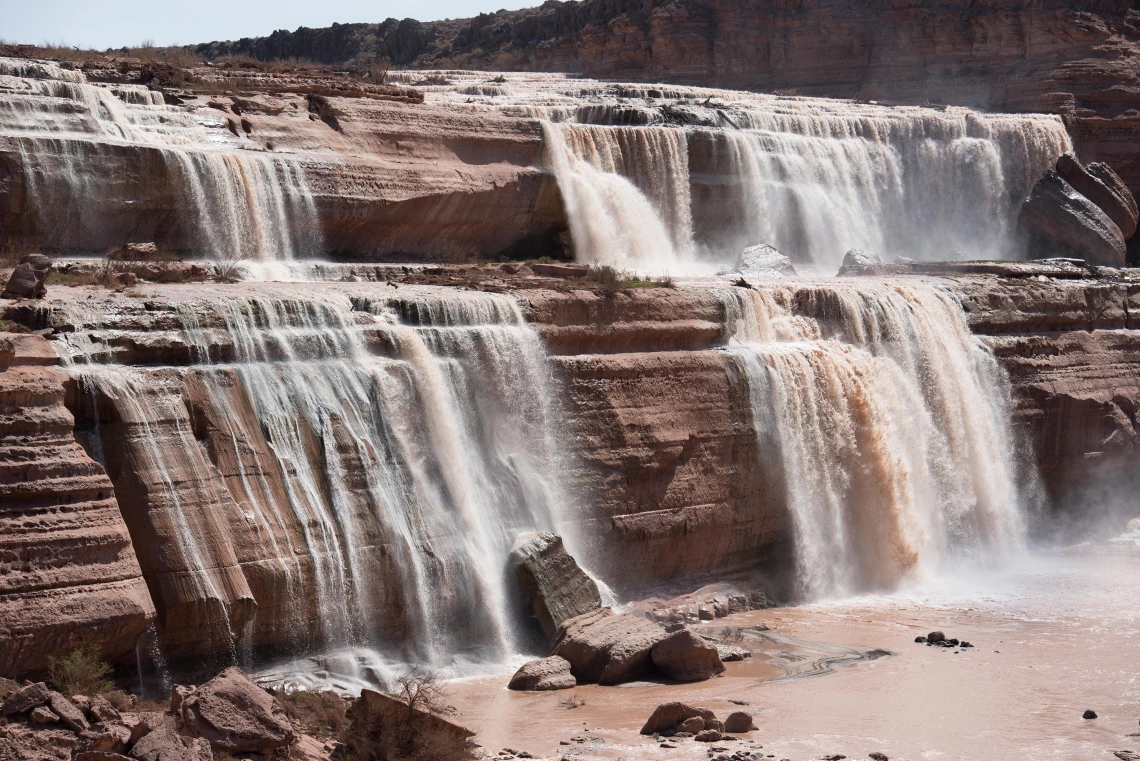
763	261
1098	183
553	584
1059	221
79	581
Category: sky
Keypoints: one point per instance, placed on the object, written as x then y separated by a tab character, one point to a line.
117	23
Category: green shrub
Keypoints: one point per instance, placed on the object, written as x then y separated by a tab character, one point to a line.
82	672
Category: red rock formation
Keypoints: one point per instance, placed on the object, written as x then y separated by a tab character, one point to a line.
68	573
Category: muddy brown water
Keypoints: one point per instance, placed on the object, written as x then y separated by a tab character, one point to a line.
1054	634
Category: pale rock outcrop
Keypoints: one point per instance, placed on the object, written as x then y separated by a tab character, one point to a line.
858	260
553	584
606	647
762	261
1098	183
1059	221
686	657
68	572
671	715
235	715
551	673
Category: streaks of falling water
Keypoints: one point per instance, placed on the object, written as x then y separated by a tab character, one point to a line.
626	193
812	178
233	204
439	455
890	422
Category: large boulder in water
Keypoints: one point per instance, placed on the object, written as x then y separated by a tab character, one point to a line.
762	261
551	673
686	657
1059	221
858	260
671	715
554	586
606	647
27	280
1098	183
236	715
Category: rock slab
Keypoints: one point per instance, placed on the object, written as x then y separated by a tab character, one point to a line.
605	647
686	657
1059	221
235	715
555	587
551	673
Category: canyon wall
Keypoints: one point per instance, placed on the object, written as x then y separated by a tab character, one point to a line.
68	571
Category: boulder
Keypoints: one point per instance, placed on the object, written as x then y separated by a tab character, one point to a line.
670	715
178	693
113	738
737	722
551	673
762	261
383	726
1059	221
43	715
235	715
102	710
605	647
142	724
732	653
935	637
165	744
692	725
708	736
68	712
858	259
25	699
686	657
27	279
136	252
553	584
1098	183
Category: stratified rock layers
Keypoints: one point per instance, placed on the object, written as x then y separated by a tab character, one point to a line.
68	573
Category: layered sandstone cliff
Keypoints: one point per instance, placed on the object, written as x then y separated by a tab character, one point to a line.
68	571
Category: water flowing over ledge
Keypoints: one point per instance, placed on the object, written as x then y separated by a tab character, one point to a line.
650	178
337	472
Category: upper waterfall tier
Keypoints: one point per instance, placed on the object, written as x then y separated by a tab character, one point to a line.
655	178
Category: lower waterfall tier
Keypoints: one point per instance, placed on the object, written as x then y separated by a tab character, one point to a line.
314	466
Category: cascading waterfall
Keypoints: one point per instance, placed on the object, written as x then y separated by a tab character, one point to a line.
626	193
891	424
233	204
812	177
391	486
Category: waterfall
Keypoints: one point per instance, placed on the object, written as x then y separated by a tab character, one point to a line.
384	454
72	137
890	426
626	193
812	177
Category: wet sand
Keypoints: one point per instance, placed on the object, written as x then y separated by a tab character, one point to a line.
1054	635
